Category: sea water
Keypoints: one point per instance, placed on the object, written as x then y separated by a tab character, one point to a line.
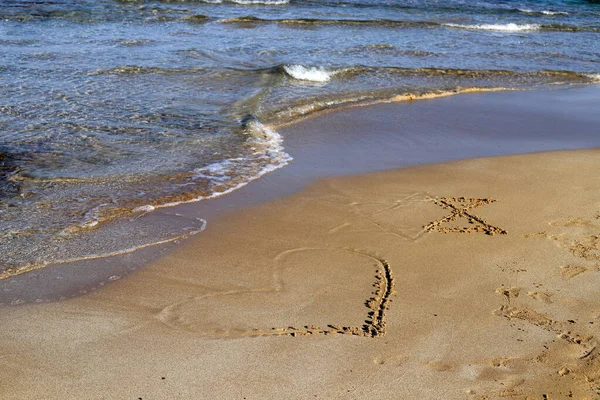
110	110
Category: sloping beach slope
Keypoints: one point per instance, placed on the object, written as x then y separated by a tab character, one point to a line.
471	279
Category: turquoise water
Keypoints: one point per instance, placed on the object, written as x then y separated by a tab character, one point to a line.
110	109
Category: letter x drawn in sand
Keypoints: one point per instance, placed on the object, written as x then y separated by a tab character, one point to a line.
460	208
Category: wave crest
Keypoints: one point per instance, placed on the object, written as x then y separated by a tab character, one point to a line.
543	12
511	27
304	73
594	77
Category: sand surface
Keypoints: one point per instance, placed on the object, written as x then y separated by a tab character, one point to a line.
344	142
465	280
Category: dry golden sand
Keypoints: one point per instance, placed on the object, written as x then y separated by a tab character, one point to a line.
475	279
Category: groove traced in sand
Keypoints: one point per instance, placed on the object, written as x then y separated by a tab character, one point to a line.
383	215
460	207
375	324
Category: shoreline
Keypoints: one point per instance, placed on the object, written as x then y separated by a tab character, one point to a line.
343	142
272	301
277	199
342	277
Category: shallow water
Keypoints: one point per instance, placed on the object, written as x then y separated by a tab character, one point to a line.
110	109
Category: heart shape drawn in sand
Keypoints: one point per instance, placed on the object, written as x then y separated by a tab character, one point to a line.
313	291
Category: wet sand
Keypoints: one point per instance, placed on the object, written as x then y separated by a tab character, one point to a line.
467	279
351	141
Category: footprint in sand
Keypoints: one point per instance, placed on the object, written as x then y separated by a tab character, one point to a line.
313	291
579	236
573	347
541	296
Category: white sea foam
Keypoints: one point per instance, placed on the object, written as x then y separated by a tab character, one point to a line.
267	151
146	209
313	74
545	12
218	171
268	146
594	77
512	27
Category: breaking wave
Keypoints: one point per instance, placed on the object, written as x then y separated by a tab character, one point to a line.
224	176
543	12
250	21
189	110
512	27
594	77
264	153
304	73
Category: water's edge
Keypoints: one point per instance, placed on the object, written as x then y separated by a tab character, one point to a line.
76	277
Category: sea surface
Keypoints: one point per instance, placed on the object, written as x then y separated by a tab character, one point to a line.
112	109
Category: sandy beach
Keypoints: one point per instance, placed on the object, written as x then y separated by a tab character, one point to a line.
299	199
469	279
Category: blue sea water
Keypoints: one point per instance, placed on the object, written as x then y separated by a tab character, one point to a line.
110	109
